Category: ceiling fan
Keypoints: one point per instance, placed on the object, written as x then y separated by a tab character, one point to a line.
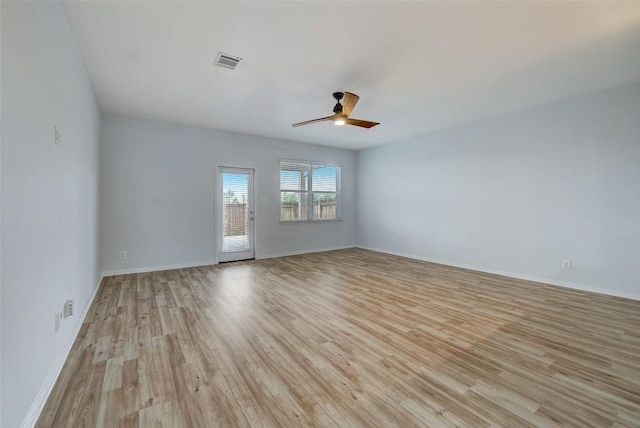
341	112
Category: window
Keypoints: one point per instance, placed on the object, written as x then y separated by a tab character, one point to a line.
309	191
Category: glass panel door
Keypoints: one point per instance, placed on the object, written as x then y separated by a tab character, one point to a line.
236	214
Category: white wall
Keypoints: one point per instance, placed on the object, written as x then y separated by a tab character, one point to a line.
158	188
517	194
49	199
1	134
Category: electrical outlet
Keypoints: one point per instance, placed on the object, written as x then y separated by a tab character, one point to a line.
58	318
566	264
68	308
123	255
57	136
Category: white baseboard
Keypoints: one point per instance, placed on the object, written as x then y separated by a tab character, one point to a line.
41	398
608	292
211	262
296	253
156	268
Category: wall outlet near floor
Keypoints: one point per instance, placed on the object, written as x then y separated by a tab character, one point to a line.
566	264
58	319
57	136
123	255
68	308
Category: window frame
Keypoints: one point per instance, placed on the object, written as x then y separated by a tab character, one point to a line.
310	192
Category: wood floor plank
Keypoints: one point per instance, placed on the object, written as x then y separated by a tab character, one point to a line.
348	338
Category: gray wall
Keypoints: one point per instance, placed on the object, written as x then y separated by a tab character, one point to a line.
49	198
158	190
517	194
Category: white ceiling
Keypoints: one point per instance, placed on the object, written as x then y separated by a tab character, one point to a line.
417	66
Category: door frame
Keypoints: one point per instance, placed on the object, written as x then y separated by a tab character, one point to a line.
219	206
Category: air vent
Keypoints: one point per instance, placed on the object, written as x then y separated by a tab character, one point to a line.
227	61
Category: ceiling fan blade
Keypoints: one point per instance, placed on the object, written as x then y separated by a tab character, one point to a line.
322	119
349	102
361	123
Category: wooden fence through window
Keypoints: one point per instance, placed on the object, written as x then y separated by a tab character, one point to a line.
235	220
321	210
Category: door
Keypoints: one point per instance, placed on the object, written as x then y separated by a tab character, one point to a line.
235	225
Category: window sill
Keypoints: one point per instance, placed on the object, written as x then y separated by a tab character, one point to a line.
333	220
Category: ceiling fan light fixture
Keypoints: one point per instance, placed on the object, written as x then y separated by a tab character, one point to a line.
340	120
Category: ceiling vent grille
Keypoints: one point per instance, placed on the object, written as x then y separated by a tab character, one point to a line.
227	61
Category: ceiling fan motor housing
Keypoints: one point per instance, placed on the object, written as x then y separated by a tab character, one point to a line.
338	107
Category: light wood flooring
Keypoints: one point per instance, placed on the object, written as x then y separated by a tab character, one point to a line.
348	338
